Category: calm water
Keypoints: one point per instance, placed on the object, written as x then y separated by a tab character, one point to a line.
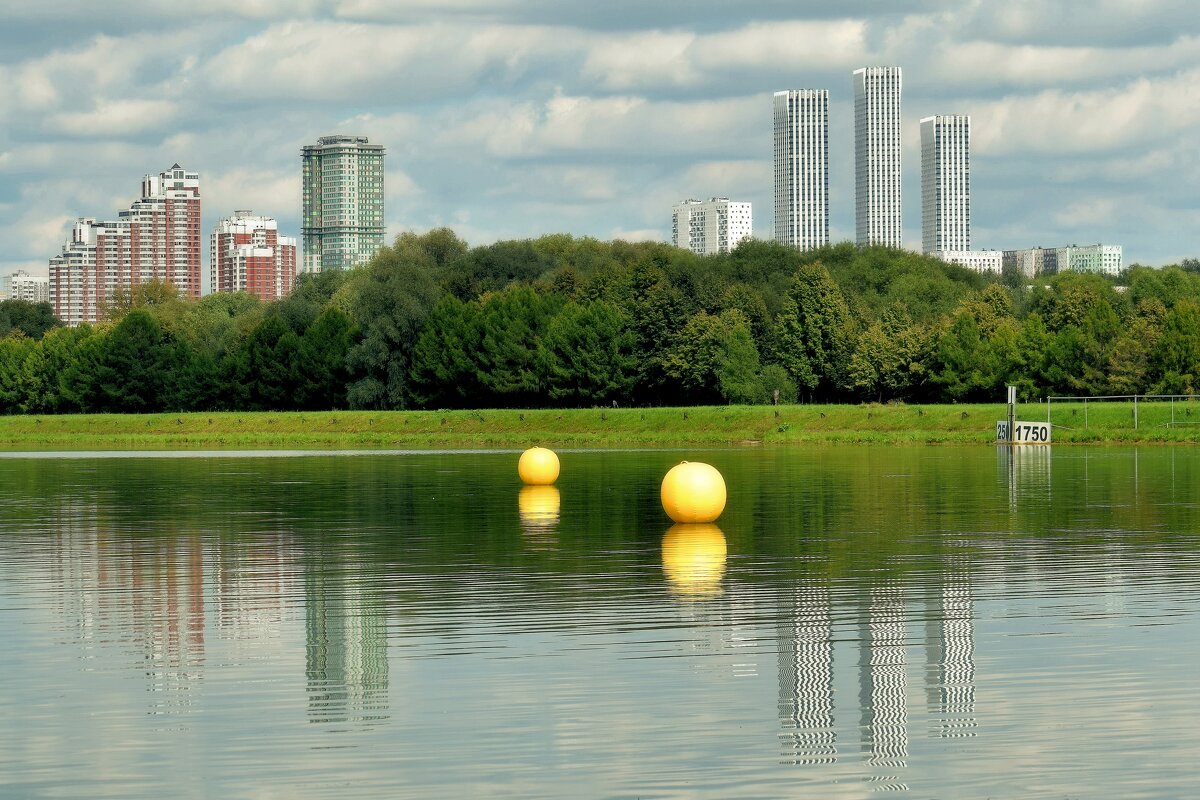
926	622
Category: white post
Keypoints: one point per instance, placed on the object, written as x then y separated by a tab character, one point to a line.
1012	414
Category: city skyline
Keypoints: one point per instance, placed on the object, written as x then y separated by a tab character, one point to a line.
553	122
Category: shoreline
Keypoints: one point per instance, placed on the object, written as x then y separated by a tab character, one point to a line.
698	426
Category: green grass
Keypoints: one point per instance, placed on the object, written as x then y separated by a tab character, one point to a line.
596	427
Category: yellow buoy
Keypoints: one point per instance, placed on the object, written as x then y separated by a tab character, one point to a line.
694	559
538	466
538	506
693	492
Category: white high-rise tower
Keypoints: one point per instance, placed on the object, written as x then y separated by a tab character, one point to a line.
802	168
877	202
946	184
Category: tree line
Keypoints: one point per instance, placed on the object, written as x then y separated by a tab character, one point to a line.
565	321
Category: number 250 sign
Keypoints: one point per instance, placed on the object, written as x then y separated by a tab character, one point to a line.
1024	432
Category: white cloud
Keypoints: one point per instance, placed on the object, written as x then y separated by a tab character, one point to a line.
1101	120
346	62
628	124
116	118
1096	213
270	193
639	235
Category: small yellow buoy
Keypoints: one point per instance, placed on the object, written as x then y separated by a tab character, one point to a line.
693	492
538	466
694	559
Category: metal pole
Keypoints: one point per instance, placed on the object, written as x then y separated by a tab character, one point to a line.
1085	413
1012	414
1047	409
1135	412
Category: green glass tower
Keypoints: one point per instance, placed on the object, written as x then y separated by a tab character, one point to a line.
343	202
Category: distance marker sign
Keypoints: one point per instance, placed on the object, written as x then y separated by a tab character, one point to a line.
1024	432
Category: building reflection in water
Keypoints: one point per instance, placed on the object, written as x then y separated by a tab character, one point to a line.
883	683
147	592
346	659
806	678
808	717
950	658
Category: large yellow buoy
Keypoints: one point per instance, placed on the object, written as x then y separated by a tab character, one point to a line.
693	492
538	466
694	559
538	507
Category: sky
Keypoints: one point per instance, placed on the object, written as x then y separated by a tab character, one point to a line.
510	119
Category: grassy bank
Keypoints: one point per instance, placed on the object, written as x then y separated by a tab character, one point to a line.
662	427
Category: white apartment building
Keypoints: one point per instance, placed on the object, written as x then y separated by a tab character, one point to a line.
802	168
710	226
22	286
946	184
877	200
1105	259
249	255
978	260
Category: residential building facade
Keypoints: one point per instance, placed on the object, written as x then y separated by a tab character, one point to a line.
1105	259
802	168
978	260
343	202
710	226
946	184
877	173
249	255
22	286
157	238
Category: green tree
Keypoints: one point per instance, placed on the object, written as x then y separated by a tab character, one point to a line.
494	267
714	359
322	372
445	370
263	372
1131	356
511	323
20	387
63	354
814	334
588	353
389	300
136	368
31	319
1176	355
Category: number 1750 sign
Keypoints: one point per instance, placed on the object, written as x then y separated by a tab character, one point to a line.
1024	432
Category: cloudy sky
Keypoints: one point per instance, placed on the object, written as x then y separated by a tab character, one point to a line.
514	118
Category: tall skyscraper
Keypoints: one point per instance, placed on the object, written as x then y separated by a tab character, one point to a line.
710	226
343	202
157	238
802	168
946	184
249	255
877	215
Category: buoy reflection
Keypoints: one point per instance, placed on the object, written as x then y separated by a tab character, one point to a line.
539	507
694	559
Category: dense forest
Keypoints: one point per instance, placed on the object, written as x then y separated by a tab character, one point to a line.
564	321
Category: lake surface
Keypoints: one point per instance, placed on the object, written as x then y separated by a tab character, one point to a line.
921	622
